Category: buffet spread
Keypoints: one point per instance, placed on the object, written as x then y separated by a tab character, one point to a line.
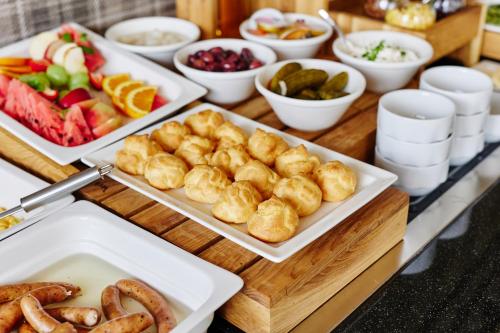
265	188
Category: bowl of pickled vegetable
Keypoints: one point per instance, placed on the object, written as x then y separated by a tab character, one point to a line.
310	94
226	67
290	35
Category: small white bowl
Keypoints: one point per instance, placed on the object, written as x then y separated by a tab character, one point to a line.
492	128
416	116
413	154
470	125
465	148
162	54
416	181
225	87
468	88
384	77
306	115
292	49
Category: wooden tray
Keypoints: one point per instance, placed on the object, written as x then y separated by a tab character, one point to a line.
491	45
276	297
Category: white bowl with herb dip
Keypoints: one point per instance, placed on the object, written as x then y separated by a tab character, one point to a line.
387	59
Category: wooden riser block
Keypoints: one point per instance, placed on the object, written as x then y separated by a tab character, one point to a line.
276	297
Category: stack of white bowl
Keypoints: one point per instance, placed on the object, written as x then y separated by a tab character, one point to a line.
471	92
414	135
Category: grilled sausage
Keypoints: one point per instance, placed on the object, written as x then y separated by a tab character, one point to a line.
132	323
34	314
111	304
10	292
65	328
11	313
88	317
152	300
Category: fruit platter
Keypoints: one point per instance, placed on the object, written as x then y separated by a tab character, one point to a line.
68	92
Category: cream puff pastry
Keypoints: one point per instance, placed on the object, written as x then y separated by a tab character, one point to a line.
336	180
204	123
266	146
228	135
237	203
260	175
170	135
205	183
136	151
229	159
165	171
193	150
296	161
300	192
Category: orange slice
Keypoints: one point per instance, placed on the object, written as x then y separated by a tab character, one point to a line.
13	61
122	90
139	101
109	83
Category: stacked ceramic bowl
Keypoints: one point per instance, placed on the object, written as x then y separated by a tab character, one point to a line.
471	92
414	135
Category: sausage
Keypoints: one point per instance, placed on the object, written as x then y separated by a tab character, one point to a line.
64	328
10	292
132	323
152	300
34	314
26	328
76	315
11	313
111	304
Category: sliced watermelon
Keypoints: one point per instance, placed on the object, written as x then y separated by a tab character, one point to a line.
76	130
158	102
4	87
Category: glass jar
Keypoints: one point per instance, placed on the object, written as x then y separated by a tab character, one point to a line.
447	7
378	8
412	15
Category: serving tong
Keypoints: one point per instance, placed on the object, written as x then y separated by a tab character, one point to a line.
58	190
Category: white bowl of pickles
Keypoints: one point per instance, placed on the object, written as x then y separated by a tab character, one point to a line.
310	94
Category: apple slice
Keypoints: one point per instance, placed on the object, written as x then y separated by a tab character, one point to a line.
40	43
60	54
74	61
53	47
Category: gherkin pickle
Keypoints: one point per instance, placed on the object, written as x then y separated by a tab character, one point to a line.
336	83
308	94
283	72
332	94
300	80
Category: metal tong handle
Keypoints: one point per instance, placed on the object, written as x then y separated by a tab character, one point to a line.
326	16
59	190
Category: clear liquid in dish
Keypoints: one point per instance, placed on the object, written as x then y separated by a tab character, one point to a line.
93	274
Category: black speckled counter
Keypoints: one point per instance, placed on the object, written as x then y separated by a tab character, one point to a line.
459	292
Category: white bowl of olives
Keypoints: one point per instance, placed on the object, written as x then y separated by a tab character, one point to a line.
310	94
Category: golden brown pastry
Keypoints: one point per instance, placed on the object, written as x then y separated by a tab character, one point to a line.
228	135
204	123
300	192
274	221
237	203
165	171
136	151
170	135
205	183
260	175
193	150
266	146
336	180
296	161
229	159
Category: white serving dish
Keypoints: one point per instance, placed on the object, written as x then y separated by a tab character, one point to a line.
17	184
92	253
178	90
308	115
492	128
416	181
225	87
468	88
465	148
292	49
413	154
384	77
470	125
371	182
416	116
163	54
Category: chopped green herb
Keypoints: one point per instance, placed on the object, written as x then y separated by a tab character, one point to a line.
87	50
83	37
372	54
403	53
67	37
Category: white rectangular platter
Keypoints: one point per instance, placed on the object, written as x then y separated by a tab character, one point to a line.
15	184
371	182
85	245
177	89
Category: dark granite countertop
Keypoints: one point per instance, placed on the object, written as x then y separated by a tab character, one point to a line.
458	292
